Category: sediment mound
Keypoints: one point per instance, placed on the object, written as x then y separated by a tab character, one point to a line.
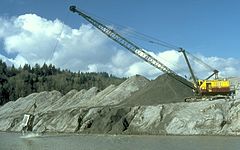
52	106
163	89
109	110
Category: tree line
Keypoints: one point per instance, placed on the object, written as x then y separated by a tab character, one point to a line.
22	81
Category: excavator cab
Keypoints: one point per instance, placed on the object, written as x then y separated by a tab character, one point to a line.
215	87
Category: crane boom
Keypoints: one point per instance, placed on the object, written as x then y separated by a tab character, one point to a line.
131	47
190	69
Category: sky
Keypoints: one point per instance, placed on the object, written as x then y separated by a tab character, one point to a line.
45	31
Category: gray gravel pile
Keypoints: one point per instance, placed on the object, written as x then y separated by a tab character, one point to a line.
163	89
109	111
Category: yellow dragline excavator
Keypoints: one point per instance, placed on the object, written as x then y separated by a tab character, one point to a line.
204	89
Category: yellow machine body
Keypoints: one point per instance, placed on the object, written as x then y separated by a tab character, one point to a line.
214	87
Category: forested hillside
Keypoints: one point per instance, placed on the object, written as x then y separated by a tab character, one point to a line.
22	81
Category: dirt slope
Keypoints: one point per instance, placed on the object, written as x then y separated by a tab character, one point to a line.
163	89
94	111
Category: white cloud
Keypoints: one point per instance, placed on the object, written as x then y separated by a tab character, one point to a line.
6	60
33	39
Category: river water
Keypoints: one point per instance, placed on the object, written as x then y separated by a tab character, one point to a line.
15	141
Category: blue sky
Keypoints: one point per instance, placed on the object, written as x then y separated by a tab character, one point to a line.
210	27
205	27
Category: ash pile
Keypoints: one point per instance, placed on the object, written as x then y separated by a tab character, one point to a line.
164	89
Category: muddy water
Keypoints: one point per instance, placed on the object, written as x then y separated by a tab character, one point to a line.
14	141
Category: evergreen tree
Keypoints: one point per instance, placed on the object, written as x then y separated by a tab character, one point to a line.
15	83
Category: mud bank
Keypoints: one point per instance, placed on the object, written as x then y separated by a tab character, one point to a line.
137	106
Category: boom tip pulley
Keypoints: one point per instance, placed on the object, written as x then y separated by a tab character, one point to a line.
73	8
